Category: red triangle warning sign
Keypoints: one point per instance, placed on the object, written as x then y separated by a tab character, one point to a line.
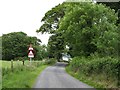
30	54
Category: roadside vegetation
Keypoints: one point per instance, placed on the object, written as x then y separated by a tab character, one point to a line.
95	71
91	33
22	76
17	70
88	32
15	47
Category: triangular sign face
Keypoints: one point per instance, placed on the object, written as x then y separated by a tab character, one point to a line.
30	48
30	54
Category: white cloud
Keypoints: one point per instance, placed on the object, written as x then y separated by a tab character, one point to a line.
24	15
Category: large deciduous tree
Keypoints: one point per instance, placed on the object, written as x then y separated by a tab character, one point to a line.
50	25
56	46
90	28
85	27
16	45
51	19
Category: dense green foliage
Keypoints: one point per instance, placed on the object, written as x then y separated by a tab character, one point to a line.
41	52
15	46
51	19
87	29
55	46
106	69
107	65
78	28
87	32
50	61
50	25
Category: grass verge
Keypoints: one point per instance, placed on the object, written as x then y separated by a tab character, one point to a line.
22	79
90	80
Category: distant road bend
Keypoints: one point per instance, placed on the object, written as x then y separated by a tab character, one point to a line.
56	77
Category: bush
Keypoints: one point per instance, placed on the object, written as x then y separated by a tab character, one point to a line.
95	65
21	58
50	61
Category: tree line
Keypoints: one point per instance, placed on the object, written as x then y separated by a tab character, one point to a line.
15	46
86	28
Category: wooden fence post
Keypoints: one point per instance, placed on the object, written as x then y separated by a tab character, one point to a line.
12	65
23	62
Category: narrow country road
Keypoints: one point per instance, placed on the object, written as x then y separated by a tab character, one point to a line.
56	77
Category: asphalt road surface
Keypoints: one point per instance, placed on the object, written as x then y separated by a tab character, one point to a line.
56	77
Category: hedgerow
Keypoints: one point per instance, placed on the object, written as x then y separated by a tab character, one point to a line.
94	65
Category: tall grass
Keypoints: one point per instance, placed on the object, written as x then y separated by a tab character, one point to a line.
22	79
18	66
22	76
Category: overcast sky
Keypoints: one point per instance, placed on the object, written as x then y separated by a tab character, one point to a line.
24	15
